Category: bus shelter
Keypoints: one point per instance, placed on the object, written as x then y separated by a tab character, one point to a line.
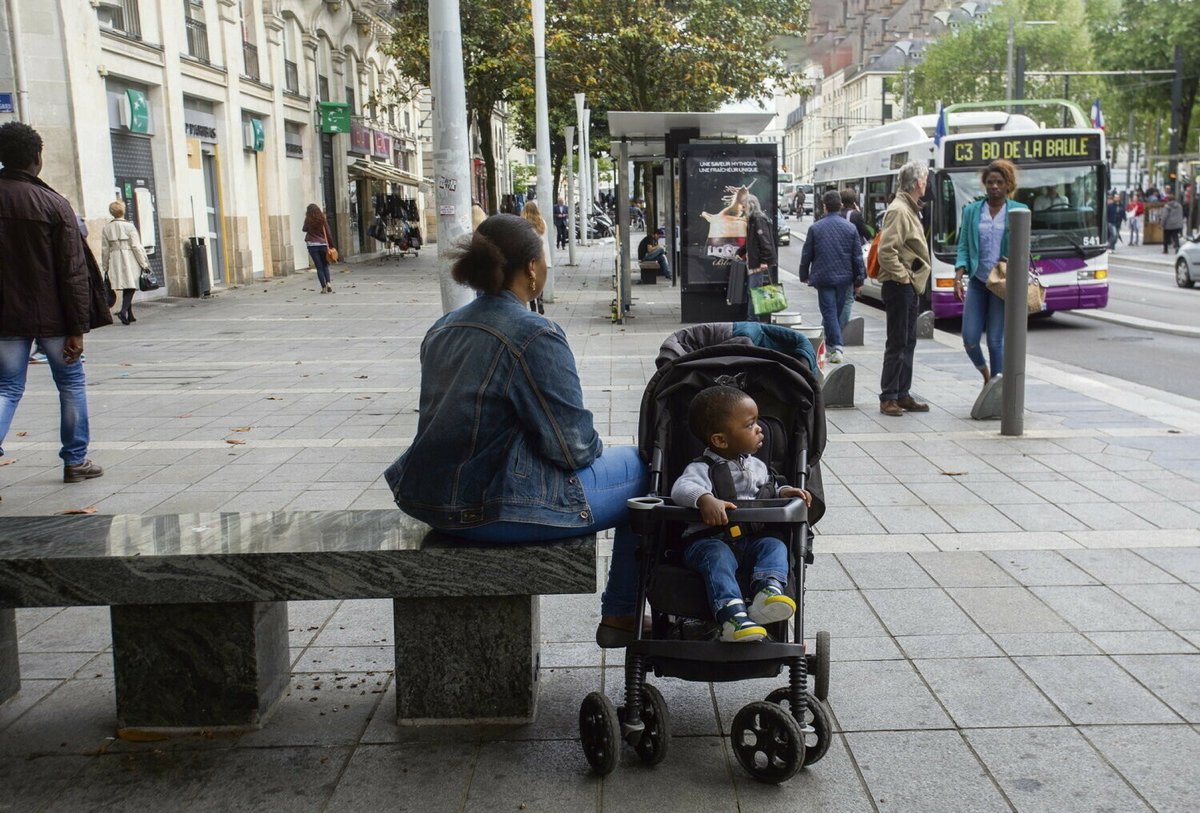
690	160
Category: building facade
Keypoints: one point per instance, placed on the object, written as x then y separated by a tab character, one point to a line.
217	122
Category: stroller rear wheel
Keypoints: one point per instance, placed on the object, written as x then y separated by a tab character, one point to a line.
767	742
815	724
652	747
600	732
820	671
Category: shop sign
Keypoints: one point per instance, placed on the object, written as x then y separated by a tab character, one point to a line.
6	103
139	111
360	139
383	145
335	117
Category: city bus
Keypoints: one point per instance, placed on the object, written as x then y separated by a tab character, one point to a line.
1062	178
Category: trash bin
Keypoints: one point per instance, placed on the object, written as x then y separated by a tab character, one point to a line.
198	267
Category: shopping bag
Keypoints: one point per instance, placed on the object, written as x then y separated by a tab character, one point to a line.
768	299
1035	296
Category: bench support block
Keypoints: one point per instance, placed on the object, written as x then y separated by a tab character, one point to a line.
10	667
466	659
190	666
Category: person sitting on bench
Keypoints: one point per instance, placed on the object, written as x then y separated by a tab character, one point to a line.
651	249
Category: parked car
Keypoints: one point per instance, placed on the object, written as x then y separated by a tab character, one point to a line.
783	232
1187	262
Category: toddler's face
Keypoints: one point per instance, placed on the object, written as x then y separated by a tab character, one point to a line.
743	435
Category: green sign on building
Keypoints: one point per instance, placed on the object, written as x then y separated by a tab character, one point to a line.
139	112
258	135
335	117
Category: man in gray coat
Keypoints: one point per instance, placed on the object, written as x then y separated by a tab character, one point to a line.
1172	223
46	294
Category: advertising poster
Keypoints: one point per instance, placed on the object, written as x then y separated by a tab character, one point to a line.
716	181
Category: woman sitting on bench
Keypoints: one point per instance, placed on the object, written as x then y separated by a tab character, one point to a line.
505	451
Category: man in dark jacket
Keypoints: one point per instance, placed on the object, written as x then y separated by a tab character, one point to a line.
45	294
832	262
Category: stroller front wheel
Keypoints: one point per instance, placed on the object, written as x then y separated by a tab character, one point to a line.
600	732
652	747
815	724
767	742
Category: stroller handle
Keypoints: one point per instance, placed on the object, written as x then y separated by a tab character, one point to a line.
783	511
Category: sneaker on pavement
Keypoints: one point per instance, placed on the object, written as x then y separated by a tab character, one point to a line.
771	606
77	473
835	356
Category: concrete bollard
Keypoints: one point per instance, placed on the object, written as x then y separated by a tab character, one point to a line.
990	401
838	388
925	325
852	333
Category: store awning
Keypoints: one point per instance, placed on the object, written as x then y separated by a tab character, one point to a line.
385	172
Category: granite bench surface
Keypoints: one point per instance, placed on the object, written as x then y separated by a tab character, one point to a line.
55	561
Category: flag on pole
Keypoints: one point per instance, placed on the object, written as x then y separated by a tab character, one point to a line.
939	132
1097	116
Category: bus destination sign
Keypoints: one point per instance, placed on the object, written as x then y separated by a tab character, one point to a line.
1037	147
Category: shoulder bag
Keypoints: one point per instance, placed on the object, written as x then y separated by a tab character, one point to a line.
768	299
1035	296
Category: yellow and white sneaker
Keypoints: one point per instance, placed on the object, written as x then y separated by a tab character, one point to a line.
771	606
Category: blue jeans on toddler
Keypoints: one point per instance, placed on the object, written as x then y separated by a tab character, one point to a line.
719	562
614	477
72	391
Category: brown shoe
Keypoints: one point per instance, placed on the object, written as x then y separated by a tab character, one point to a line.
890	408
910	404
87	470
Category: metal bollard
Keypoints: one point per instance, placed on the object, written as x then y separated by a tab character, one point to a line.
1016	323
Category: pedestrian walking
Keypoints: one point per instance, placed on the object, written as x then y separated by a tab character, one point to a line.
560	222
982	243
122	258
319	242
1135	210
534	215
45	295
904	270
1172	223
852	212
1115	214
832	262
759	254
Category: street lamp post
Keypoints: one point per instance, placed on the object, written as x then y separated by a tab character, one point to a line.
569	137
583	170
545	195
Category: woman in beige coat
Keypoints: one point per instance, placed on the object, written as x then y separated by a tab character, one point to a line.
122	258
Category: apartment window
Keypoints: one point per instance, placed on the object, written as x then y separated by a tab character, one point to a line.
407	121
197	31
351	101
291	73
323	88
249	48
120	15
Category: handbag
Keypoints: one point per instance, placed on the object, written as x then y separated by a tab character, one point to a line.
99	306
109	292
146	281
332	254
1035	296
735	292
768	299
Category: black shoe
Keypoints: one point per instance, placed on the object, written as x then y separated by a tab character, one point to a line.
77	473
124	319
132	318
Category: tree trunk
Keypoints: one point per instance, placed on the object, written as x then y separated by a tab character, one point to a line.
557	165
483	117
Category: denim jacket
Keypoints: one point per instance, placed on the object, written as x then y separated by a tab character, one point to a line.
502	427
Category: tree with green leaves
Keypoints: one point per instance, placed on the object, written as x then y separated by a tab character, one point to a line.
497	40
970	64
1142	35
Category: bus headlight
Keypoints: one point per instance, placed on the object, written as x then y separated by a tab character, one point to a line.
1091	273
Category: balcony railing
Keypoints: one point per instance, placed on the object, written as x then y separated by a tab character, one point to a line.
291	77
250	60
197	39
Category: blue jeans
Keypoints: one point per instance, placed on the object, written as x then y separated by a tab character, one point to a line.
983	310
831	299
614	477
72	391
718	562
660	256
848	308
320	258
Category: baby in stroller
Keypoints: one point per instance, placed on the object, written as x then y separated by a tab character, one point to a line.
725	419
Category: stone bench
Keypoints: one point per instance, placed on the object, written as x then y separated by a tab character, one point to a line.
199	612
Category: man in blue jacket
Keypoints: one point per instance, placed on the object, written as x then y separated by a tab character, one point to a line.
832	262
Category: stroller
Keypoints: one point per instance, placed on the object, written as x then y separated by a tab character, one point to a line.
791	728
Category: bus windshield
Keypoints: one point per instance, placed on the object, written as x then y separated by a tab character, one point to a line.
1065	200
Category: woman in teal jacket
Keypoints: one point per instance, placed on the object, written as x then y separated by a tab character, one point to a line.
982	241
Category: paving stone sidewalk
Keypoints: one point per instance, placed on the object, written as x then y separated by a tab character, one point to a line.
1015	621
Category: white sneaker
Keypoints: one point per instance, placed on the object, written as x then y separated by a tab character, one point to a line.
835	356
771	606
741	629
